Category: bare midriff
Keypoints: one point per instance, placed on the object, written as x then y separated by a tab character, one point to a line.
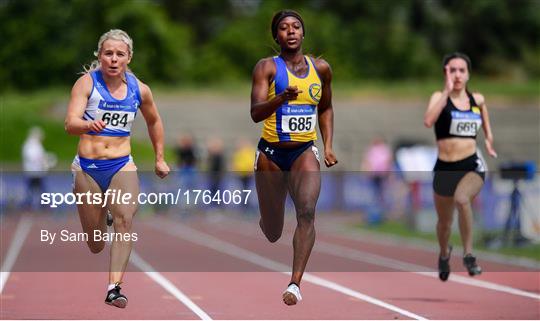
455	149
103	147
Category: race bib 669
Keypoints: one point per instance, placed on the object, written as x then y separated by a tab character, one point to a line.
465	123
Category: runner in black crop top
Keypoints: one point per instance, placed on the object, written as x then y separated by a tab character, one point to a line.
459	172
453	122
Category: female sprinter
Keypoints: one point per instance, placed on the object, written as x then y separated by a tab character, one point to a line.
290	92
104	103
459	172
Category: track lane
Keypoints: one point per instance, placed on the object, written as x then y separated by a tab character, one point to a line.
408	256
265	299
478	298
227	294
66	281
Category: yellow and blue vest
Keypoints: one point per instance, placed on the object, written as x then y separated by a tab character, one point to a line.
294	120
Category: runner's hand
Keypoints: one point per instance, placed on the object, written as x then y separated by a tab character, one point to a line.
489	146
96	126
449	83
162	169
330	158
290	93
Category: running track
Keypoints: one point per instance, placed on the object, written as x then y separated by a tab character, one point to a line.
223	268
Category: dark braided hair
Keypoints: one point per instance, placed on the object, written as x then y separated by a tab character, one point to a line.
280	15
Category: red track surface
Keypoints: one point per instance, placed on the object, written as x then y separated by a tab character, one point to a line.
227	269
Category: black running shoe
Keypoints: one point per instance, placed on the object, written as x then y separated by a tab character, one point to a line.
470	263
444	266
109	218
114	297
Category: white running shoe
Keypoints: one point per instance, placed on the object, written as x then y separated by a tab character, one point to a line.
292	295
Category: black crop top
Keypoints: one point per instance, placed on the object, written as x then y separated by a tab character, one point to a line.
453	122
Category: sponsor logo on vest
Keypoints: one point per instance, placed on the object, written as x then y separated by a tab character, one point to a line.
269	150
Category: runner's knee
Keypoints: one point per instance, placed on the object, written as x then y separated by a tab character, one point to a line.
272	236
95	247
122	222
305	215
462	201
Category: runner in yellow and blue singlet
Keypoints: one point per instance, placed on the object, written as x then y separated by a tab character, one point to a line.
291	93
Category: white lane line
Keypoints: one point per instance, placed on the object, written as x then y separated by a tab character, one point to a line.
144	266
432	247
355	294
23	228
366	257
207	240
394	240
374	259
485	284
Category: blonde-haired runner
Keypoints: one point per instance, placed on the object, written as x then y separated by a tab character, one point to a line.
103	105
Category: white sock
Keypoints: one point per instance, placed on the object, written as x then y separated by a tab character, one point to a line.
110	287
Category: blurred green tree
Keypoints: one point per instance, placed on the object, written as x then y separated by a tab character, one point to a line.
45	42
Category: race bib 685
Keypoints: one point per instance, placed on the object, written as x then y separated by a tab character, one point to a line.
298	118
